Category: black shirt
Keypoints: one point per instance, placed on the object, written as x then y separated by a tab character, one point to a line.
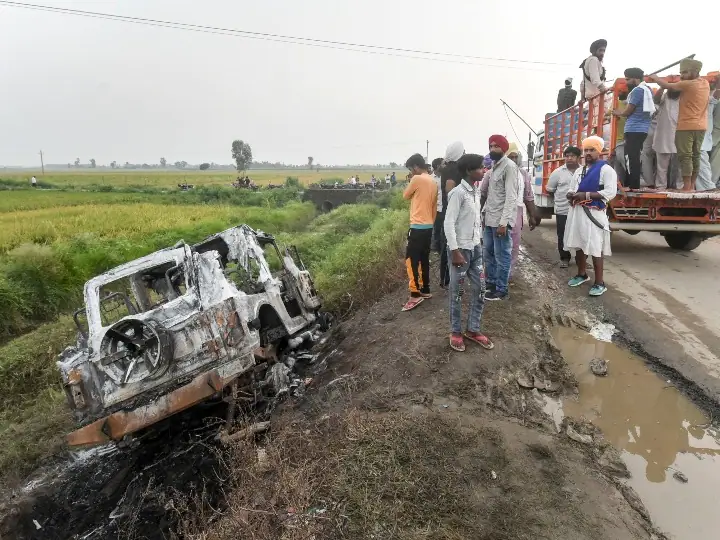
566	98
449	172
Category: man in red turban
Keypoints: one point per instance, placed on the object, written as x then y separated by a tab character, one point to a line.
500	208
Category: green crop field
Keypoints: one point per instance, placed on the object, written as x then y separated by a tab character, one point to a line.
52	241
79	178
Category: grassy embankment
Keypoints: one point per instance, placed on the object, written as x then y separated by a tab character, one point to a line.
352	252
84	178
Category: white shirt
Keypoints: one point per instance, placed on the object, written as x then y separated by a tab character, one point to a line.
559	184
439	188
463	220
33	180
593	67
608	182
667	117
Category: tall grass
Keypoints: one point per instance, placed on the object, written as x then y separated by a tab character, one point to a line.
354	254
23	200
38	282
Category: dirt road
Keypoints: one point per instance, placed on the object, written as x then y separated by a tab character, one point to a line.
664	300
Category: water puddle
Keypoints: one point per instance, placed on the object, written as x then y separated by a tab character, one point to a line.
658	431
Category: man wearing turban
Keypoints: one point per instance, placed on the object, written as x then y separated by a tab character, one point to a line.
692	118
587	230
500	210
640	106
593	80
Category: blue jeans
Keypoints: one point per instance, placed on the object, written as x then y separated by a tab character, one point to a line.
472	270
497	255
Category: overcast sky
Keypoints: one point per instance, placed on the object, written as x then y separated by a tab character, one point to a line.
89	88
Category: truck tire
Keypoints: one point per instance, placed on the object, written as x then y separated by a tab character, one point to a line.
686	241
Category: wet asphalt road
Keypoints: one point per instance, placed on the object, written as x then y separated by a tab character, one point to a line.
664	299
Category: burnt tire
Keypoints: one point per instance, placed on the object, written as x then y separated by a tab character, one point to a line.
685	241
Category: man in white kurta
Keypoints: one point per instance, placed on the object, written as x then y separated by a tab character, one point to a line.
590	237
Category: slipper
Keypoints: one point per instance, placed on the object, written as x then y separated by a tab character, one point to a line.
480	339
457	343
413	303
426	296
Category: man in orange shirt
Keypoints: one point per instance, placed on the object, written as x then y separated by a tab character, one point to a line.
692	118
422	193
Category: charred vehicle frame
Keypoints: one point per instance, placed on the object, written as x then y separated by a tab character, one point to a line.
174	328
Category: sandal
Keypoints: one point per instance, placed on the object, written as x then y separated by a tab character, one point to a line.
426	296
412	303
457	343
480	339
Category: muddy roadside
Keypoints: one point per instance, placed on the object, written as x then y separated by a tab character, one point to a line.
403	438
670	354
396	437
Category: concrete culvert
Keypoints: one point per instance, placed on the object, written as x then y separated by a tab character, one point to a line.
327	206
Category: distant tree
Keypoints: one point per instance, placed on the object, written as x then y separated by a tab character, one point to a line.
180	164
204	166
127	165
163	162
113	164
242	154
92	163
310	162
393	165
77	162
69	165
145	166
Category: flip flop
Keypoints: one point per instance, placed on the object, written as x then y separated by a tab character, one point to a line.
426	296
480	339
413	303
457	343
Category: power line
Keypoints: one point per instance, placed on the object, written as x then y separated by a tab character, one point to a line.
511	124
338	45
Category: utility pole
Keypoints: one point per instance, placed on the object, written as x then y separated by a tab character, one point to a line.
42	163
427	150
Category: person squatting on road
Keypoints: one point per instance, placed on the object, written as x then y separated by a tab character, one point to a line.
559	184
692	118
422	193
588	230
500	211
449	178
463	230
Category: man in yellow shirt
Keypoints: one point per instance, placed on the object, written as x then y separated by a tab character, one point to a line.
422	193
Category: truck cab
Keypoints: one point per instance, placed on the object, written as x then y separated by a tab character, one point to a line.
684	219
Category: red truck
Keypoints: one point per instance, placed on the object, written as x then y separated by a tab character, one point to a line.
684	219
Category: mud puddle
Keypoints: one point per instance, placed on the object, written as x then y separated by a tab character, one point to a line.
660	433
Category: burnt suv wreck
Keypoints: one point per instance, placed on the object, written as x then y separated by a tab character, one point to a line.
164	332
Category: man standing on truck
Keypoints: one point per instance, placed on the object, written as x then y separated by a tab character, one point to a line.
706	179
639	107
559	184
566	96
593	81
588	230
422	193
463	229
715	152
500	210
663	143
692	117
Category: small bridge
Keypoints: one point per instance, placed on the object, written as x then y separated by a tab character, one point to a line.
328	199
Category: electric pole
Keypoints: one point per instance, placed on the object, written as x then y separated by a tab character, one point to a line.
42	163
427	150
